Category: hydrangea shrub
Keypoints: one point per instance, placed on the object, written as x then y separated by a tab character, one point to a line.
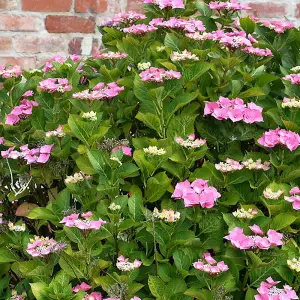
165	167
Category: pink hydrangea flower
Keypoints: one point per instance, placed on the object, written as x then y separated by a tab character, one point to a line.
258	51
235	110
293	78
256	229
2	140
139	29
123	18
123	264
83	223
190	26
233	5
196	193
279	136
29	93
52	85
100	91
268	291
159	75
20	112
239	240
10	72
41	246
81	287
93	296
278	26
212	266
35	155
111	55
59	59
166	3
125	149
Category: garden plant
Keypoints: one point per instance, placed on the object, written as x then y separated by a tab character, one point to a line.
165	167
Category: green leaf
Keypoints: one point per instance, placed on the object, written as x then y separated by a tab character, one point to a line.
150	120
79	128
181	260
98	160
37	289
72	266
156	286
157	186
247	24
42	213
7	256
196	70
135	203
74	234
252	92
203	8
282	220
172	41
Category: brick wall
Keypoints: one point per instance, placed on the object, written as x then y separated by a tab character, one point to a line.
33	30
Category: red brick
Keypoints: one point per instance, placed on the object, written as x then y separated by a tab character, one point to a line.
52	44
18	23
134	5
25	62
65	24
75	46
5	44
42	5
27	44
267	10
8	4
298	11
93	6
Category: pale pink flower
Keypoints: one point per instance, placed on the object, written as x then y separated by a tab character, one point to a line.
123	18
10	71
210	267
125	149
256	229
81	287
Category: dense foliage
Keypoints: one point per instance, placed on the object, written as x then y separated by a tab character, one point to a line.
166	167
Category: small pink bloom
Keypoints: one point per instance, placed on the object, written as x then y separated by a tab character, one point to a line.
274	237
81	287
256	229
207	256
125	149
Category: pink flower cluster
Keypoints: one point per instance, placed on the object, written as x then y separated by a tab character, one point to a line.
189	26
191	142
59	59
258	51
293	78
196	193
139	29
100	91
123	18
278	26
166	3
294	198
81	287
83	223
235	6
125	149
31	156
52	85
9	72
123	264
241	241
210	266
268	291
235	110
280	136
41	246
20	112
111	55
159	75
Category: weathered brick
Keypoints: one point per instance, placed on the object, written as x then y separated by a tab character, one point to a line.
267	10
75	46
42	5
5	44
18	23
69	24
8	4
134	5
25	62
93	6
297	13
27	44
52	44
